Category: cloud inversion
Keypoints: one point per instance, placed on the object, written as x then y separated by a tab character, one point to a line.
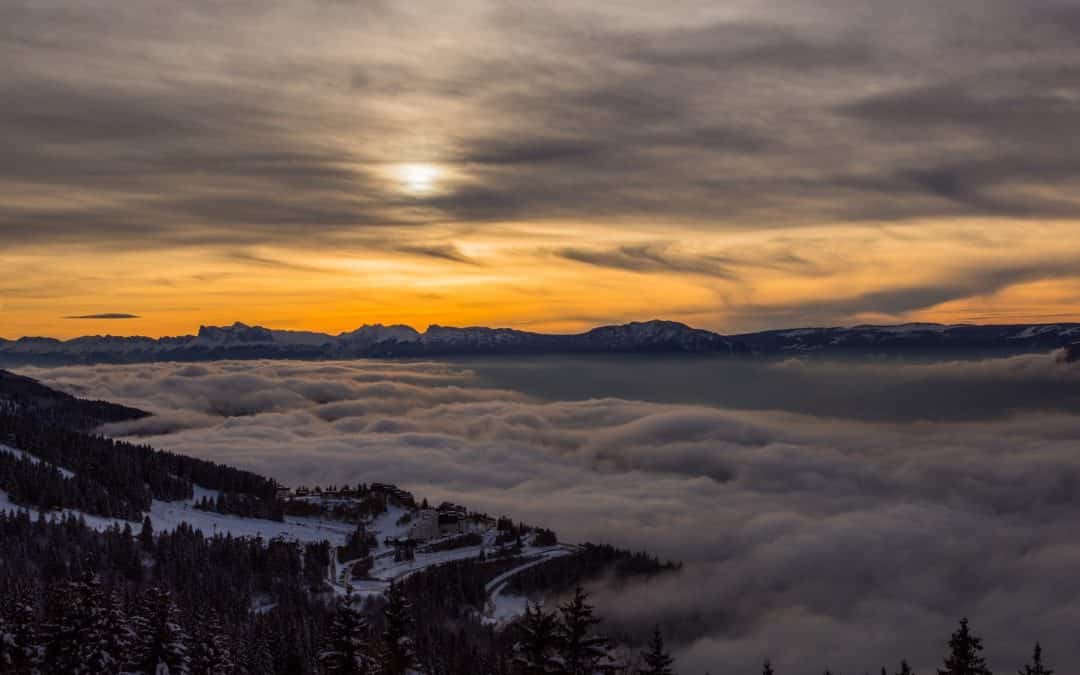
835	536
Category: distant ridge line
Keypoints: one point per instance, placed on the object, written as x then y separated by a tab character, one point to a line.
243	341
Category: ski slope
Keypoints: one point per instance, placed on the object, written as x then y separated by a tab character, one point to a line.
166	516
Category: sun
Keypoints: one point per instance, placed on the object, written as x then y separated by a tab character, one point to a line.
418	179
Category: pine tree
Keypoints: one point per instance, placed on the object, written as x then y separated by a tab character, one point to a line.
396	653
24	645
75	628
534	652
905	669
658	661
104	644
146	534
119	631
964	657
766	668
211	652
582	652
161	646
1036	666
257	659
12	651
7	644
345	651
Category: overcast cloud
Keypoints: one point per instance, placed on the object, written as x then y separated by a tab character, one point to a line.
839	540
273	119
813	159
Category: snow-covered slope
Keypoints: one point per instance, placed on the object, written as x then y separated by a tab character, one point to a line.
387	527
168	515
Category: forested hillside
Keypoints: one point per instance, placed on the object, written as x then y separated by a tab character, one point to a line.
72	467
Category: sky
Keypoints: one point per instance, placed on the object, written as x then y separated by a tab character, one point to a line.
320	164
821	527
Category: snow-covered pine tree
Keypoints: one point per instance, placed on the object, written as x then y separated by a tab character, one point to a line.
964	654
7	643
104	644
161	646
74	629
211	650
396	652
346	650
657	660
535	651
583	653
22	651
119	633
257	658
1036	666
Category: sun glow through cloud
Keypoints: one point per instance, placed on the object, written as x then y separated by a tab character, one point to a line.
418	179
552	178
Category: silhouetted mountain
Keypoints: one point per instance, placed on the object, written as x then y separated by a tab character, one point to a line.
241	341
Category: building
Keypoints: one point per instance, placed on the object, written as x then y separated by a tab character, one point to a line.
394	494
425	525
432	524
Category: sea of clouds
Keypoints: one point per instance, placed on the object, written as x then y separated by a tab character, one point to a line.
839	515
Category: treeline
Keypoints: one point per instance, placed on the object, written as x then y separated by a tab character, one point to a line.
74	600
963	657
590	562
111	478
244	505
60	409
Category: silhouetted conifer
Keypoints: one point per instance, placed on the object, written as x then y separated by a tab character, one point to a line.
964	654
582	652
346	650
396	653
1036	666
657	660
535	652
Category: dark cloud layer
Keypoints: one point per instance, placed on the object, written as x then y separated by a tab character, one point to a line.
827	535
221	119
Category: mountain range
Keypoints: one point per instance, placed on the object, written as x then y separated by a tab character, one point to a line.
241	341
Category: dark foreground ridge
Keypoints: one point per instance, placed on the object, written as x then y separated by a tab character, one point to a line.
240	341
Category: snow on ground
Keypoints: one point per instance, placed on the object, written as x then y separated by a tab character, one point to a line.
503	607
386	524
166	516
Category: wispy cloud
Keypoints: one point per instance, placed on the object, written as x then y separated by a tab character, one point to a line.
106	315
